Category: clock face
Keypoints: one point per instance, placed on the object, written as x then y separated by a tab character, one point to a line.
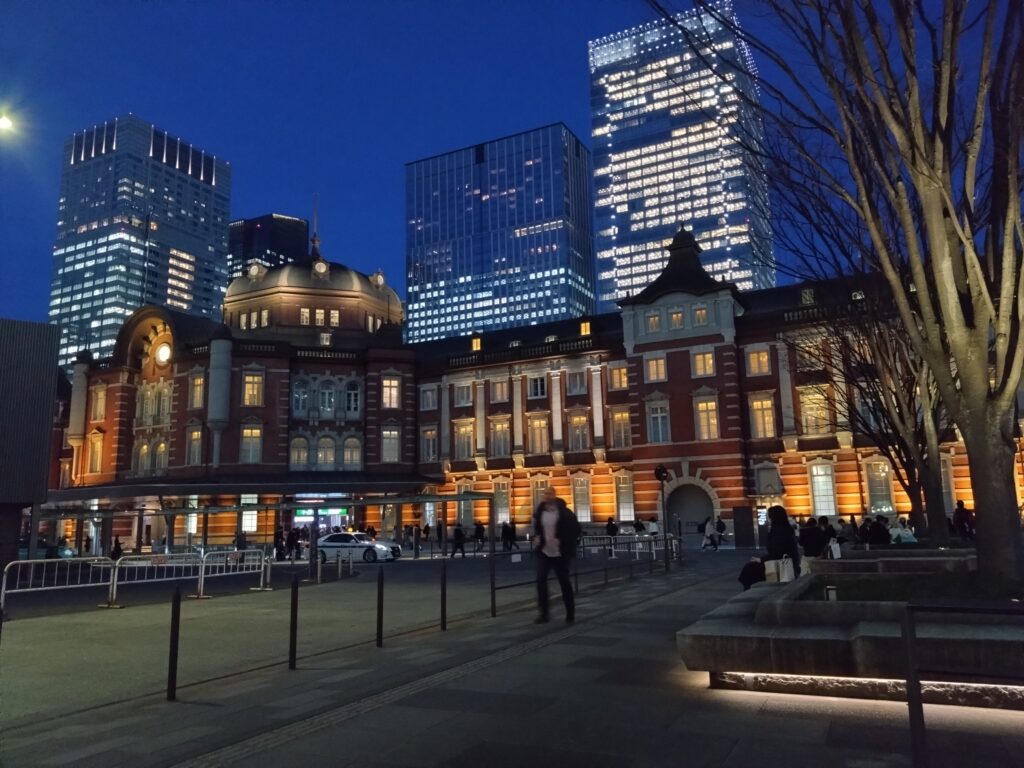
320	267
163	354
254	270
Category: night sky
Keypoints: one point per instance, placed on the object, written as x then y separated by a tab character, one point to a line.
299	96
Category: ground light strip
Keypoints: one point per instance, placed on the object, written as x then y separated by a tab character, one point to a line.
257	744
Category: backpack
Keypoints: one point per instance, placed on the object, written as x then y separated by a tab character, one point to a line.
720	526
702	528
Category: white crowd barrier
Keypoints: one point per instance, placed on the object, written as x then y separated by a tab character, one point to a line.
231	563
637	546
151	568
67	573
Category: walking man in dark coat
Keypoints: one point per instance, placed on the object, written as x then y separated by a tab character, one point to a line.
555	534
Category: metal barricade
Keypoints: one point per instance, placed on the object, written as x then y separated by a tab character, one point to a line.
132	569
231	563
69	573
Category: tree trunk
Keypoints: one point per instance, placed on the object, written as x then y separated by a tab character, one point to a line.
917	518
934	504
991	454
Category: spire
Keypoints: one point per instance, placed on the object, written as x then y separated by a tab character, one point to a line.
683	273
314	254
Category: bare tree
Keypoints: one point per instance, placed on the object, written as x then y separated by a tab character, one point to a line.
909	117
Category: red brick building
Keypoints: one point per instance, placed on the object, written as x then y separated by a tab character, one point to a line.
306	390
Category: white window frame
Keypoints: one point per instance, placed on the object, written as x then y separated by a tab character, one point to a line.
499	391
762	420
623	439
349	445
699	360
390	444
502	499
253	387
390	391
303	316
98	403
816	426
193	445
579	431
463	436
537	387
614	382
652	322
656	368
463	395
625	500
659	425
878	464
196	390
823	501
250	447
326	452
503	427
701	316
581	496
756	354
293	444
706	421
675	314
428	398
538	439
576	383
95	453
428	444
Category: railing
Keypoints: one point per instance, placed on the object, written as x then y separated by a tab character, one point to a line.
616	546
151	568
41	575
231	563
915	702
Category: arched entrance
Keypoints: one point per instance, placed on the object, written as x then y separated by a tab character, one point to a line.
689	505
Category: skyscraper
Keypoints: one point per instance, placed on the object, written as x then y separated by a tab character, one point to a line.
272	240
142	219
674	135
499	234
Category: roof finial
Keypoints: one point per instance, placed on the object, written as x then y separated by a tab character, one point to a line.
315	253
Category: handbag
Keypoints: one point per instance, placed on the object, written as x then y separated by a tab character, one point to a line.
834	550
771	571
786	570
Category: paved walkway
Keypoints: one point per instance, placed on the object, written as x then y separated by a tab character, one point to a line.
608	691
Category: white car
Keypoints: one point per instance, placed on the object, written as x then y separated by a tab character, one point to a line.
352	546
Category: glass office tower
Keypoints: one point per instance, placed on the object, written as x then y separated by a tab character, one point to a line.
272	240
142	219
675	144
499	235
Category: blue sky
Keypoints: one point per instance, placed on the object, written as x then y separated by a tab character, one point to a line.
300	97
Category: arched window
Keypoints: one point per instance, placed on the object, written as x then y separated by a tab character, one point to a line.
352	399
300	398
160	456
325	452
142	463
299	453
326	398
352	457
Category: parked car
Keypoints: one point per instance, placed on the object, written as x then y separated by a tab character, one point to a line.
394	546
353	546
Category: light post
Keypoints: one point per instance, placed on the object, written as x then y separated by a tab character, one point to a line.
661	475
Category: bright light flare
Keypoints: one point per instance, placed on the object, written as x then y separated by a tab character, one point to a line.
6	124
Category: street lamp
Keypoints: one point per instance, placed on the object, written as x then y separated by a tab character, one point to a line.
661	475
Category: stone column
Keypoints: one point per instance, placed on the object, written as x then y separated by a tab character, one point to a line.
480	424
555	394
444	449
219	408
597	412
517	421
786	396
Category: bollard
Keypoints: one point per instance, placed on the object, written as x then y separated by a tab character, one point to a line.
494	595
380	607
293	626
444	595
172	653
338	562
915	705
319	570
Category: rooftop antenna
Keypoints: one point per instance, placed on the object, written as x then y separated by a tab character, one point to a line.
316	238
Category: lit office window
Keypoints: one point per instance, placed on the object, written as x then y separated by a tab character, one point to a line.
389	445
579	432
620	431
707	418
500	438
814	412
655	369
823	491
464	441
581	497
762	416
618	376
194	446
624	497
390	392
538	434
499	391
303	316
252	389
428	444
758	363
251	451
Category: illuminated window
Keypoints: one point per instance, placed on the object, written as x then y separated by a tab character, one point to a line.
762	416
303	316
823	490
250	520
675	319
879	486
352	454
298	453
96	453
576	383
335	318
251	451
537	386
618	377
581	497
196	385
476	344
428	399
579	432
194	446
700	315
98	406
706	409
653	322
537	487
320	317
253	315
703	363
300	398
624	497
464	440
463	394
264	317
192	523
537	434
325	399
325	452
500	438
585	328
502	498
243	321
620	431
390	392
655	369
428	444
814	413
389	445
252	389
758	363
499	391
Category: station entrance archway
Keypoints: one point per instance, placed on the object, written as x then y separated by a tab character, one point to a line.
688	507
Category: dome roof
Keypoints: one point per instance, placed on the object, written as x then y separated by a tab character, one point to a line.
340	278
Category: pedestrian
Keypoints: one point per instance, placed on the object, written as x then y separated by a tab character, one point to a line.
878	533
556	533
720	529
88	545
512	537
652	526
901	534
864	531
610	528
710	534
279	544
116	552
506	537
458	541
827	529
291	543
781	543
963	521
479	537
426	532
638	526
407	536
371	532
812	538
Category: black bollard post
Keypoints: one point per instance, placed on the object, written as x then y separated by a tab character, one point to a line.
172	654
444	595
293	627
380	607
